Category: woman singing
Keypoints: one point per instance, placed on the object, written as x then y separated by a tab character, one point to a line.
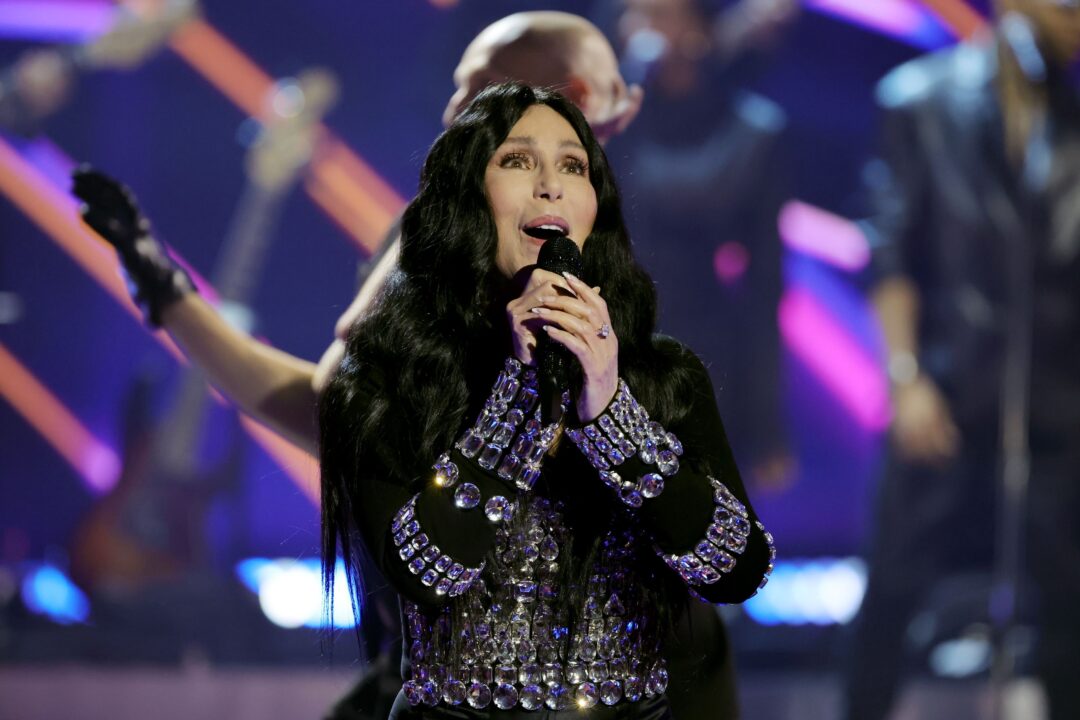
543	543
541	554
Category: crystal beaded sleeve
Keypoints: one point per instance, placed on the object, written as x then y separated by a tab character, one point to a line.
622	431
725	540
508	436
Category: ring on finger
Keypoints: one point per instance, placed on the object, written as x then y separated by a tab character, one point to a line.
603	331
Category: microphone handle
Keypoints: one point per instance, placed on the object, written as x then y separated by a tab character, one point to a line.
557	366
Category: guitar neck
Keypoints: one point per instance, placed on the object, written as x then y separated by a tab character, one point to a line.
243	253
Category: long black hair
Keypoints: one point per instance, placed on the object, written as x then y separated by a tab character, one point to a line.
437	334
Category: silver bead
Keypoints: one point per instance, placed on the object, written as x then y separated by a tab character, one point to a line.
467	496
497	509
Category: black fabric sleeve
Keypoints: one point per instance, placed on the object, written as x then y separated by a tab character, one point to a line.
678	519
464	535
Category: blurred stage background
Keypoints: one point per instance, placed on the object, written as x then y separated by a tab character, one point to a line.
84	383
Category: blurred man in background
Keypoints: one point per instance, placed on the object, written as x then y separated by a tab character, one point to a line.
704	183
42	79
977	293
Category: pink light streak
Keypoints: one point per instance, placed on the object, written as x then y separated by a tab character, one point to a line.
823	235
898	18
848	371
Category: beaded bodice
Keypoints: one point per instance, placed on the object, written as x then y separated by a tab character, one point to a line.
537	619
513	639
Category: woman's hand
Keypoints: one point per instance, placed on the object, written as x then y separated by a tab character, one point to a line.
581	324
524	324
109	208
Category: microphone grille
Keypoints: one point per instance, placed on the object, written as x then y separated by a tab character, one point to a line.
560	254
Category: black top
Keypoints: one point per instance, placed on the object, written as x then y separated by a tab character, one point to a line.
553	581
676	520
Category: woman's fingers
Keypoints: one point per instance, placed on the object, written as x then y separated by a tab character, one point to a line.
565	321
574	311
570	306
570	341
587	305
541	279
590	296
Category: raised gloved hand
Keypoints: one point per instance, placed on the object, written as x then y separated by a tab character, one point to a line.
154	279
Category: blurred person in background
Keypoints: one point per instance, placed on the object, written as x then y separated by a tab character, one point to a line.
705	179
978	225
42	79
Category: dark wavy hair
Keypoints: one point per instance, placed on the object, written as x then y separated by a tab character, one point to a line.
427	353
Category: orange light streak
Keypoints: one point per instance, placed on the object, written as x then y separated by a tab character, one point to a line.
354	207
95	461
55	212
363	173
222	64
301	467
340	183
957	16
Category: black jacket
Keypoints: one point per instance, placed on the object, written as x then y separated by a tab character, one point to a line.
956	218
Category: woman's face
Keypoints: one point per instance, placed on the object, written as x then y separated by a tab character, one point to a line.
537	184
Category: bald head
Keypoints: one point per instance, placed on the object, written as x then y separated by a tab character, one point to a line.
554	50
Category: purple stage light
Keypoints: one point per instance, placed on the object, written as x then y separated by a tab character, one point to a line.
730	262
101	467
901	19
55	20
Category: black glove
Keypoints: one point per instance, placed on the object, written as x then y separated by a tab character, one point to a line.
154	279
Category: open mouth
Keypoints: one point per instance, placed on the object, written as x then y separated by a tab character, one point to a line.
545	232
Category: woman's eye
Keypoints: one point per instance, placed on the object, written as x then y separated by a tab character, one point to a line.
515	160
576	166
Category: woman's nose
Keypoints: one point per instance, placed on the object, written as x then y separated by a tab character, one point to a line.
548	184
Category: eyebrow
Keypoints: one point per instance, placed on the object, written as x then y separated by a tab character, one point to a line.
530	140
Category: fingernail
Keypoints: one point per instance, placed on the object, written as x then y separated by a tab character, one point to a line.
568	276
537	310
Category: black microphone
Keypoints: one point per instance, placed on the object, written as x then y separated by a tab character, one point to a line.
557	366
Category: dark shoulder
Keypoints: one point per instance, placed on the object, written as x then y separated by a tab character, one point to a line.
679	358
670	348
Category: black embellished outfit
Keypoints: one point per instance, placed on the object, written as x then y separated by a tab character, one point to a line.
537	567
